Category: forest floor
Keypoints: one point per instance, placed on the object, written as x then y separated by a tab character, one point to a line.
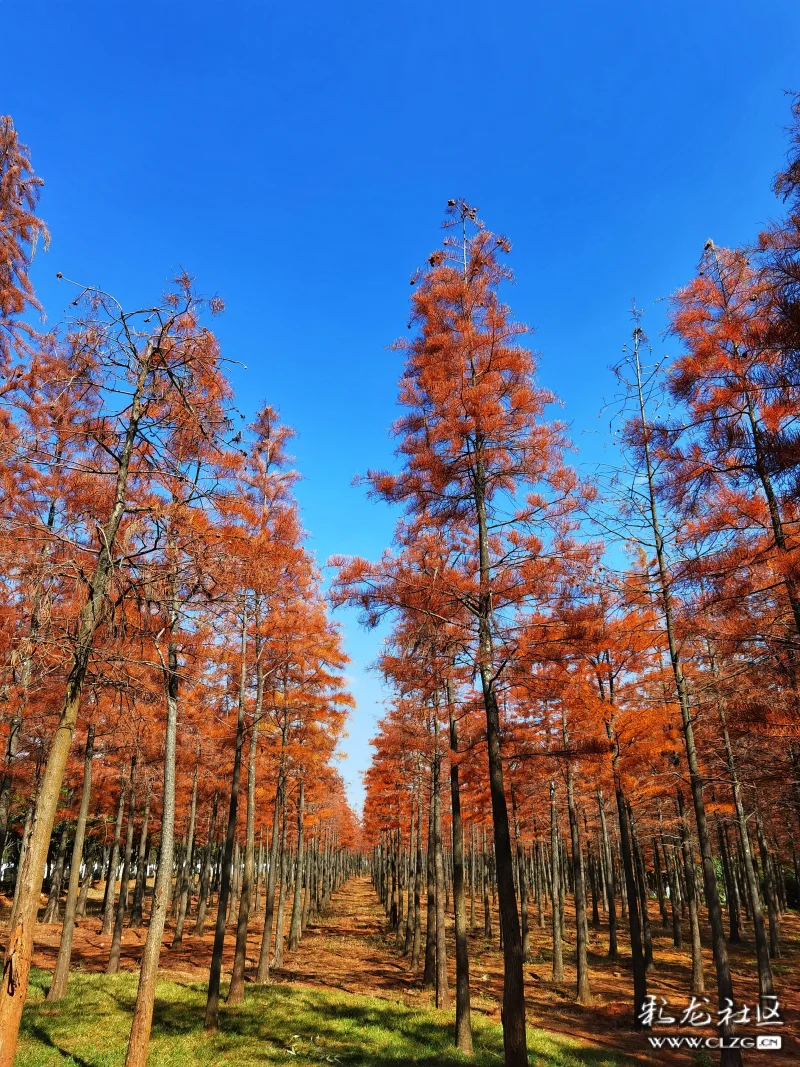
348	956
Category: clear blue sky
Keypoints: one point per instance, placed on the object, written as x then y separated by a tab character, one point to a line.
297	158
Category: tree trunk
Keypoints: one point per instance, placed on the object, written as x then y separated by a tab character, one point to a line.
294	926
611	889
80	909
769	891
522	882
555	894
641	882
584	995
408	939
187	867
119	918
236	990
140	888
442	988
283	863
672	883
262	975
139	1039
513	1009
57	878
429	973
109	900
417	943
634	921
463	1013
487	912
58	986
662	900
698	985
730	889
211	1023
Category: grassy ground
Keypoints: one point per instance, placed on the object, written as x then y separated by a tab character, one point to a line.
278	1024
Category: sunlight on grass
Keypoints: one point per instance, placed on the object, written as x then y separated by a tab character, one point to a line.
278	1024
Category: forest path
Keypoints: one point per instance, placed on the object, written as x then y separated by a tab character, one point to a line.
347	949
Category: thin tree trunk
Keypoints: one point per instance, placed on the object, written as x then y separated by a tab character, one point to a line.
463	1013
139	1039
558	955
584	995
641	882
698	984
262	975
769	890
662	900
80	909
205	874
57	878
187	867
730	889
409	931
119	918
487	914
236	990
140	888
283	862
522	882
109	901
442	988
211	1023
611	889
417	944
58	986
294	926
429	973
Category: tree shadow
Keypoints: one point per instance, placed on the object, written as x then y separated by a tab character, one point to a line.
42	1035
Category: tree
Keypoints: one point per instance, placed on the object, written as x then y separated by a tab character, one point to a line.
166	375
478	456
20	229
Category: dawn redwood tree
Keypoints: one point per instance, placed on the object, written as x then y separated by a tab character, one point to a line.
211	1023
639	438
478	454
164	368
419	584
20	230
733	444
174	580
269	513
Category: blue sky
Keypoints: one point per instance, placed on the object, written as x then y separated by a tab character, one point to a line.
297	160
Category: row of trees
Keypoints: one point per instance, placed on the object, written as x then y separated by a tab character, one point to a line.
608	667
157	599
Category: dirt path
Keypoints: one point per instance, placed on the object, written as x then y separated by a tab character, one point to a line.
351	949
347	949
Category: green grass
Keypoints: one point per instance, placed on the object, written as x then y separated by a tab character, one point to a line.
276	1025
